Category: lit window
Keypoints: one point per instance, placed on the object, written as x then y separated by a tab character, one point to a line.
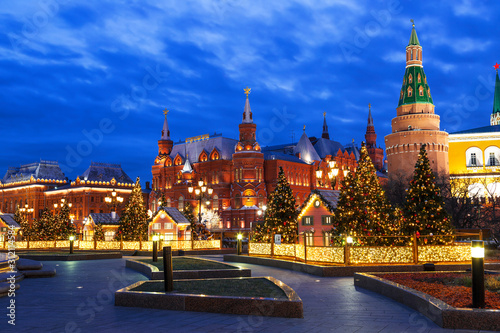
326	219
169	236
156	226
307	220
169	225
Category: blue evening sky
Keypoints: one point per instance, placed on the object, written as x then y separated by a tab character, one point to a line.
88	80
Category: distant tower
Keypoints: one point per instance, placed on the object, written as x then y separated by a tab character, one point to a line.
416	123
165	144
248	163
376	154
325	134
495	115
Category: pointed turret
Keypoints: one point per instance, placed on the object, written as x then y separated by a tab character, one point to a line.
305	150
247	128
325	134
187	166
413	36
247	112
165	133
495	115
165	144
370	135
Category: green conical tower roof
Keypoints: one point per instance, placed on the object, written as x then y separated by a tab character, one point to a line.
413	37
496	99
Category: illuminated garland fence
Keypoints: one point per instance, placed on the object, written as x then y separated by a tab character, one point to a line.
358	251
115	245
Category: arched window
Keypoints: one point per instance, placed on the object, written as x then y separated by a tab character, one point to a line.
492	156
474	157
169	202
410	78
181	203
419	78
261	201
421	91
401	95
410	92
216	202
237	201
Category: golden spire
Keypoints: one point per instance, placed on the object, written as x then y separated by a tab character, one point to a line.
324	114
165	112
369	106
304	128
247	91
412	22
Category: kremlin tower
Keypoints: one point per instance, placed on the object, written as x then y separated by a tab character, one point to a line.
376	154
416	123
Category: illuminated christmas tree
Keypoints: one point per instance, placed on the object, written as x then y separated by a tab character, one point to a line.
98	232
281	213
188	212
26	228
363	209
423	211
63	227
44	228
134	220
163	201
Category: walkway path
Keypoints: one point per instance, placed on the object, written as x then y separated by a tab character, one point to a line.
80	299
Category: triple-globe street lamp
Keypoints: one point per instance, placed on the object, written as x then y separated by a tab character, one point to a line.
199	191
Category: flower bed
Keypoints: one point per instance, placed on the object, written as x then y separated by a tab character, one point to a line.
452	288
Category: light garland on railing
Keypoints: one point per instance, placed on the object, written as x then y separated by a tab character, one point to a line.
325	254
445	253
259	248
284	250
381	255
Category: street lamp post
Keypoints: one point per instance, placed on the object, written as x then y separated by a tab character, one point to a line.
199	190
477	253
71	240
333	172
155	248
114	200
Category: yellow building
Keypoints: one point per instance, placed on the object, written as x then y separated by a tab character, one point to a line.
474	154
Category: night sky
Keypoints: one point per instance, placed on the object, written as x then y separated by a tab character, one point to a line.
86	81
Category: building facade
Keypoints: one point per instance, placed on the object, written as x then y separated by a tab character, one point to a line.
241	172
475	155
416	123
43	185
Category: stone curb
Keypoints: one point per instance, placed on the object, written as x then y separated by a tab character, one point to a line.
336	271
436	310
257	306
153	273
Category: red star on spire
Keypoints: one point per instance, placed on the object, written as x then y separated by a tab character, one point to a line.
496	66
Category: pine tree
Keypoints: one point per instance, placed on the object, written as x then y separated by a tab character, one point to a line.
134	220
26	228
43	228
281	213
363	209
189	215
63	227
423	210
98	232
163	201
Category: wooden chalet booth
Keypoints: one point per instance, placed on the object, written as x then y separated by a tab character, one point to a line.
316	217
109	222
169	222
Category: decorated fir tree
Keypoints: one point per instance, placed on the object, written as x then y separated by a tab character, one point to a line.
26	228
134	220
423	210
63	227
281	213
163	201
363	209
44	228
98	232
188	212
